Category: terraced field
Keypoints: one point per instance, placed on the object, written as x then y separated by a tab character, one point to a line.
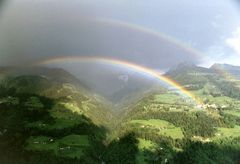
69	146
228	132
162	127
58	124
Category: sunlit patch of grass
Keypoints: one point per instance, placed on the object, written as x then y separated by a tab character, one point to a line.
167	98
144	145
163	127
154	122
72	107
228	132
218	100
233	112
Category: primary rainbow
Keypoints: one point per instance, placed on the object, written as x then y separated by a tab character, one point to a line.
124	64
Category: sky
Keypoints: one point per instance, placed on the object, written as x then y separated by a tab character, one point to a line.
157	33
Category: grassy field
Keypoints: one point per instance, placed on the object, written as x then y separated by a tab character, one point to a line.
154	122
220	100
42	143
228	132
69	146
72	107
64	117
233	112
58	124
163	127
144	145
75	140
167	98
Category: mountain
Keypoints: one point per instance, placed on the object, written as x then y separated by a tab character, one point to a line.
190	75
58	84
230	69
53	74
171	129
225	67
49	116
220	79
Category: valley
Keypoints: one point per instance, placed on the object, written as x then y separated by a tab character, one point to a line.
48	115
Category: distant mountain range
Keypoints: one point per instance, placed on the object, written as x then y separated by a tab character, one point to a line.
189	75
233	70
186	69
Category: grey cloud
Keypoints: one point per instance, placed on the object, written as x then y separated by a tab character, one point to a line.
32	30
27	35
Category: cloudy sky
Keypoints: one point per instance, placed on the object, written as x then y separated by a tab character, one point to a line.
155	33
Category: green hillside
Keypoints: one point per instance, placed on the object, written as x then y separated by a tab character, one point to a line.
59	120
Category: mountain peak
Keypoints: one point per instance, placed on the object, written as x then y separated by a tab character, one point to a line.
181	66
186	64
225	67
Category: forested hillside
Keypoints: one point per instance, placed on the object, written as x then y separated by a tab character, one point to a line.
59	120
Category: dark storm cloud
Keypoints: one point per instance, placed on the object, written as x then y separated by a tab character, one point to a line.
33	31
2	2
2	5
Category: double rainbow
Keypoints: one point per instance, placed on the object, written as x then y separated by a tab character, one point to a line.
125	64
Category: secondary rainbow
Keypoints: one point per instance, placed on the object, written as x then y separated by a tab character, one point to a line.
149	31
160	35
226	75
125	64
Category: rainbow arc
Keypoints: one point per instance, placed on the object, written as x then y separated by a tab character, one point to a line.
125	64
